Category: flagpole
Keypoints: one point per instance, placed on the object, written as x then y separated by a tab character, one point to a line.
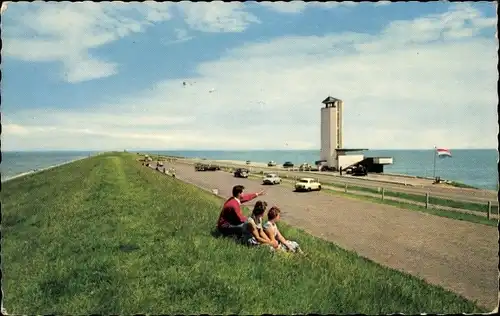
434	174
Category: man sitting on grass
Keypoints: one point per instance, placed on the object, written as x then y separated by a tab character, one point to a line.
274	234
253	235
231	218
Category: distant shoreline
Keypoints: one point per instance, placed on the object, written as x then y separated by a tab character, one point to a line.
35	171
223	150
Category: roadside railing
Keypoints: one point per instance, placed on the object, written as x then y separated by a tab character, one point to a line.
488	209
372	184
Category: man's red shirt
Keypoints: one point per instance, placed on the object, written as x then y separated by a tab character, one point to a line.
231	213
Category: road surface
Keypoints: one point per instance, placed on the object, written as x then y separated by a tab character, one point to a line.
390	183
457	255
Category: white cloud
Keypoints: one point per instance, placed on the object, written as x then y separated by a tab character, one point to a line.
285	7
4	6
67	32
381	2
295	6
217	16
181	35
14	130
411	86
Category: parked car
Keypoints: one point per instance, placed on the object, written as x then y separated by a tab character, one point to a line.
359	170
271	164
305	167
248	162
159	163
288	164
271	178
199	167
307	184
241	173
206	167
328	169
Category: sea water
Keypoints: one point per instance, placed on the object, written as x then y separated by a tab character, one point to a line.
15	163
475	167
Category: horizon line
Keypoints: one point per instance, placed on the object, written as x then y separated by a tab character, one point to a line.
212	149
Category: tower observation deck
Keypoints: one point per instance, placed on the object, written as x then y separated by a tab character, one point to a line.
332	153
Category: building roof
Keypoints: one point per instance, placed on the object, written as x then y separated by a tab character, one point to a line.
330	99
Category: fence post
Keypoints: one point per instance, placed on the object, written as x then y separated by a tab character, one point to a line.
489	209
383	192
426	200
345	188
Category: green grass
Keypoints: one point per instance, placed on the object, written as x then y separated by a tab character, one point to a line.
421	198
407	205
106	235
438	212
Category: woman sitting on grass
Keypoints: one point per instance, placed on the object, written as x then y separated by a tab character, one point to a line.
253	234
274	234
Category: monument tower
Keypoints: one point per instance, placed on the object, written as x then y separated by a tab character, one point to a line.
331	130
333	154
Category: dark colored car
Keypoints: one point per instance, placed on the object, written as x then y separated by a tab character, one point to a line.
288	164
328	169
359	170
241	173
205	167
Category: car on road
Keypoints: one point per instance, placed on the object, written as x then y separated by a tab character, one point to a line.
159	163
307	184
305	167
288	164
359	171
271	164
241	173
271	178
206	167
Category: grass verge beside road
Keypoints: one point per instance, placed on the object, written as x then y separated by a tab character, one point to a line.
471	206
401	204
106	235
421	198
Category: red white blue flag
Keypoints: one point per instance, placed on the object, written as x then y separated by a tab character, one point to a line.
442	152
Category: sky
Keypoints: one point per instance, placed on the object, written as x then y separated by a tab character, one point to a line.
238	76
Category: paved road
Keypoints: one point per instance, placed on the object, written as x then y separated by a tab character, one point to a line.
453	193
457	255
493	215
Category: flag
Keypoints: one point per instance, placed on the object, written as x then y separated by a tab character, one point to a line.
442	152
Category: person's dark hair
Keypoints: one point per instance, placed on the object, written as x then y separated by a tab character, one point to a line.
259	208
273	213
238	189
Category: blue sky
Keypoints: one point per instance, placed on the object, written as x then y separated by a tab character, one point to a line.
108	76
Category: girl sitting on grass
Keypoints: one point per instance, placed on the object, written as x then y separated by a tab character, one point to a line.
253	234
274	234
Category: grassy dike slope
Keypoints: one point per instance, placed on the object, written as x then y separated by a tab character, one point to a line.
105	235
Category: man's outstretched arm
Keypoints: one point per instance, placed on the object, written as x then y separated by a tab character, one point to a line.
250	196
